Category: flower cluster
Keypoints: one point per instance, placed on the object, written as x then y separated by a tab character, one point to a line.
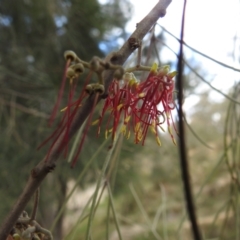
133	106
138	104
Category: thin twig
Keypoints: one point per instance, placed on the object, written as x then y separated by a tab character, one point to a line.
182	141
200	53
24	109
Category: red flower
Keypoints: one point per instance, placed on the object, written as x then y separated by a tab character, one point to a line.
66	121
138	104
155	92
120	103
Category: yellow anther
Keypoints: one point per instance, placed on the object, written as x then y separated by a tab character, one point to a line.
153	129
141	94
119	106
154	68
106	134
137	127
123	129
164	70
170	130
172	74
158	141
139	135
95	122
126	120
64	109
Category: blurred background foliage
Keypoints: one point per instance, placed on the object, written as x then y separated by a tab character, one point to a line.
145	182
34	36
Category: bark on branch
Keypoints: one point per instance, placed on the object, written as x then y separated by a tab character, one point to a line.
39	172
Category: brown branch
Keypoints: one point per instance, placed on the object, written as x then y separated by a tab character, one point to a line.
44	167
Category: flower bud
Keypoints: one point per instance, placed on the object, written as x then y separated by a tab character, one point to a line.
78	68
89	89
99	88
70	73
70	55
118	74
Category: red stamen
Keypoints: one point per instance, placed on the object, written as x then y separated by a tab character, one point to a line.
65	122
60	94
85	130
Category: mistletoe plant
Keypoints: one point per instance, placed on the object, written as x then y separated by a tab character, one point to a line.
131	106
136	103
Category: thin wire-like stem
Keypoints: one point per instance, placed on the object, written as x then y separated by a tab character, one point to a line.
82	217
114	211
224	206
207	179
195	134
94	157
76	141
144	213
202	78
162	209
104	168
112	172
108	220
200	53
182	141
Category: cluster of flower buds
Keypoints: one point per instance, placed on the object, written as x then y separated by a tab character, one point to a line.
73	69
132	105
140	105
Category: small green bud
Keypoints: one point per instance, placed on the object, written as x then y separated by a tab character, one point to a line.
118	74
